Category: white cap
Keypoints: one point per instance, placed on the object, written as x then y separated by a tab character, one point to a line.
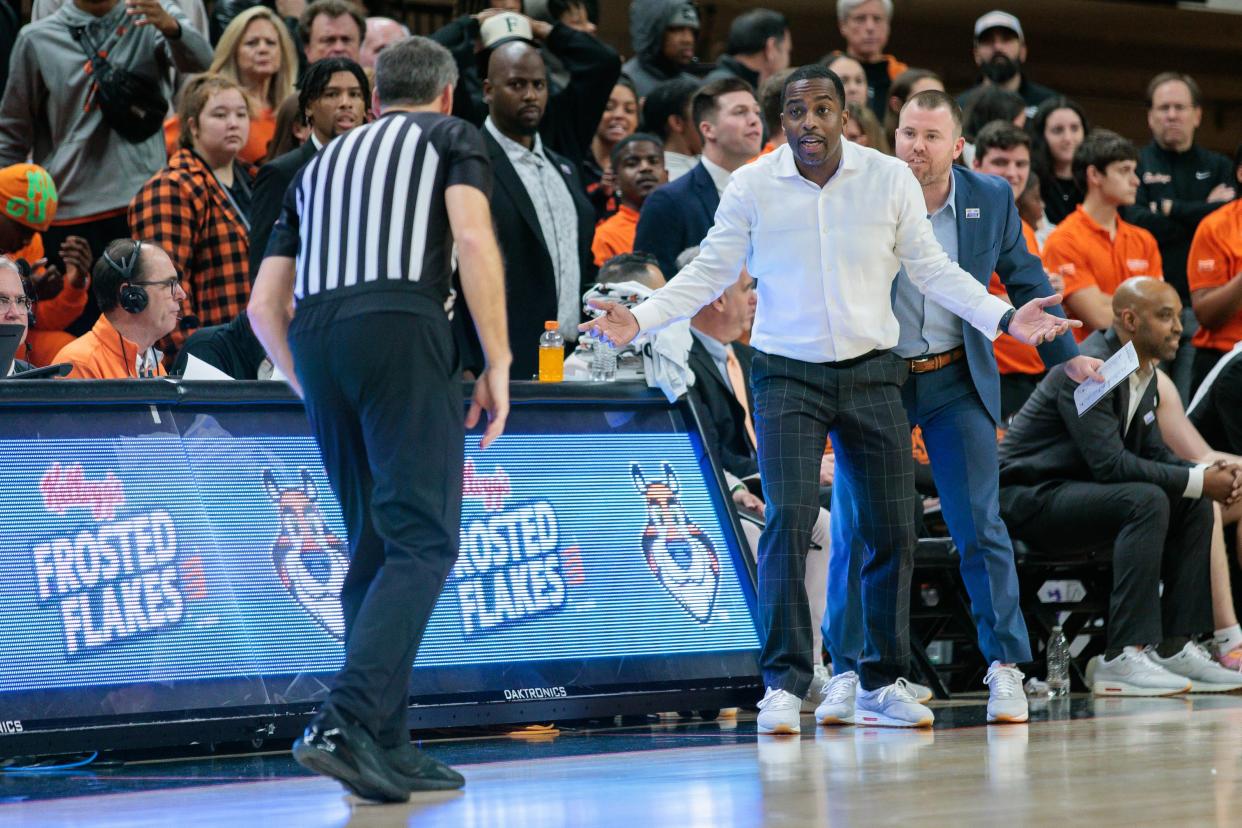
503	27
998	20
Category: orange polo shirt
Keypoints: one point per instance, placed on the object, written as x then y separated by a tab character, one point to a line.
1215	259
1012	356
615	234
1086	256
102	353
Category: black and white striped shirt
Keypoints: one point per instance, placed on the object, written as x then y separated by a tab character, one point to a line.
366	219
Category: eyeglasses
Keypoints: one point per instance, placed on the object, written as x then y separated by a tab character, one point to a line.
22	303
172	283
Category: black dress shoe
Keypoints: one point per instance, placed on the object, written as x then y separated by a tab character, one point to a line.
333	747
421	772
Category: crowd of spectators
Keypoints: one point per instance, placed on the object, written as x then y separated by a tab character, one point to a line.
146	148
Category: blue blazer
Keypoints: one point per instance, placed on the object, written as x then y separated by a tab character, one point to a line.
677	216
989	239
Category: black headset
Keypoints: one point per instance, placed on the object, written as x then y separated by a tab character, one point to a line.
132	298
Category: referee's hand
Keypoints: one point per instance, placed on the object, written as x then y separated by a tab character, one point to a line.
491	394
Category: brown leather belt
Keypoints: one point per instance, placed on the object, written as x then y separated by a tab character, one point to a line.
935	362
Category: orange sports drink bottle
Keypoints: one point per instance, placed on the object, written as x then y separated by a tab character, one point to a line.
551	354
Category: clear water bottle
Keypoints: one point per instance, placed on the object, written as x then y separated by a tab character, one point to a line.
603	362
1058	663
551	354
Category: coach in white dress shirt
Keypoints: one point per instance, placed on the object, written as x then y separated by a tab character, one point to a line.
824	225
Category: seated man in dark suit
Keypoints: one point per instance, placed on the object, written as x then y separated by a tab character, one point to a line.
678	215
333	99
1108	476
721	391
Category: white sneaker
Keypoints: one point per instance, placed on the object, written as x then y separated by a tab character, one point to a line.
819	686
891	706
1134	674
837	707
921	692
1206	675
779	712
1006	699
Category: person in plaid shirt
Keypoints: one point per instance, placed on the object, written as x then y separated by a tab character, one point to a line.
197	208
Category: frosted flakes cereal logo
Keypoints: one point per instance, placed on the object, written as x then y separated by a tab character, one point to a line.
310	561
511	567
678	552
114	577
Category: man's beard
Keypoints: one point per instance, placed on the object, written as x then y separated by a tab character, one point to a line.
1001	69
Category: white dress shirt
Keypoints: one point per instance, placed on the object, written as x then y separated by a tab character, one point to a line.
824	258
720	176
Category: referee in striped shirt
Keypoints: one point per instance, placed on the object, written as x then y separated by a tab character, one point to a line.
364	245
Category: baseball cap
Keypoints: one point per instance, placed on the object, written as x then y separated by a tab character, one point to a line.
504	27
28	196
998	20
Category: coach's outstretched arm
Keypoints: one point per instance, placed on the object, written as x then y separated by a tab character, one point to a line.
271	310
483	283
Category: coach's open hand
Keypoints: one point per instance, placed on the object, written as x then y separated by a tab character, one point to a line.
617	326
1032	325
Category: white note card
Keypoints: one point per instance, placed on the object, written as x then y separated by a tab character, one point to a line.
1119	366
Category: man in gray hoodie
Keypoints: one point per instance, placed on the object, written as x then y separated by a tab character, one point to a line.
49	110
663	34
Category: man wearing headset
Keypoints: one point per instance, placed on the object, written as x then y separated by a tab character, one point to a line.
139	294
16	303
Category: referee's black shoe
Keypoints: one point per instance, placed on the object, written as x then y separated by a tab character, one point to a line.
334	747
421	772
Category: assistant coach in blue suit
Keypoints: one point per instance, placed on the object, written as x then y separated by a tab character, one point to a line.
953	394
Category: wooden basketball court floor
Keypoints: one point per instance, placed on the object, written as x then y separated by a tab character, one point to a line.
1132	762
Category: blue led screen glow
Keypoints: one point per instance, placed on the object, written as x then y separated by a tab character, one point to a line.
193	554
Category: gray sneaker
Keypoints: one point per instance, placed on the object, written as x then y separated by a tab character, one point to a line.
837	708
891	706
1206	675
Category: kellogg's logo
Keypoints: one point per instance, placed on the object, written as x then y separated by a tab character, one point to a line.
679	553
310	561
116	579
511	567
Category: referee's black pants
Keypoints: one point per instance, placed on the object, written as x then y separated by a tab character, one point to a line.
797	405
384	398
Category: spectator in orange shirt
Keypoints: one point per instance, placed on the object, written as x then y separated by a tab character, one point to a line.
1004	150
1212	272
638	165
1093	249
139	295
29	200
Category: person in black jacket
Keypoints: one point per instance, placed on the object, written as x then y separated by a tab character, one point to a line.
544	223
1180	183
334	98
573	111
232	348
759	46
1106	476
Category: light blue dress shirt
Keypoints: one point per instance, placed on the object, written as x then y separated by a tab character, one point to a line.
926	327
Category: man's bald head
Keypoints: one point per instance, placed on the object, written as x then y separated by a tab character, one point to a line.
1148	312
1141	293
516	90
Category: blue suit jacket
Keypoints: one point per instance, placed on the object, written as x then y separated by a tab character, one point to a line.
989	239
677	216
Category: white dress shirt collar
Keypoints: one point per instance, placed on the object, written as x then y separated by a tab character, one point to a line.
720	176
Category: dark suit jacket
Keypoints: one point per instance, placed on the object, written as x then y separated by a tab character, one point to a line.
268	194
1048	440
720	415
530	281
993	242
677	216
